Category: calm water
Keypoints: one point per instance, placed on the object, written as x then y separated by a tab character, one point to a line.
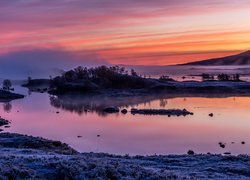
134	134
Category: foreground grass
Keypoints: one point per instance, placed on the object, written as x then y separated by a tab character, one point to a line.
29	157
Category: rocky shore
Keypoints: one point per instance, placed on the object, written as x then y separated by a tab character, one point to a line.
8	96
27	157
168	112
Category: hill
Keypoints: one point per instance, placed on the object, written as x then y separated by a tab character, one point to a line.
239	59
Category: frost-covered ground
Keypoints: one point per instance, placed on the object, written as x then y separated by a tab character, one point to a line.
34	161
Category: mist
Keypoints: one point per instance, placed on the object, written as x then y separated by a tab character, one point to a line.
42	63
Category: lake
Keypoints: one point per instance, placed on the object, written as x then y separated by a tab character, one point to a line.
66	118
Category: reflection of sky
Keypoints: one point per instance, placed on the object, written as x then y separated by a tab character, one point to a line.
129	31
138	134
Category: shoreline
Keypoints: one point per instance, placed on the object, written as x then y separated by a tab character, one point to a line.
6	96
26	157
155	86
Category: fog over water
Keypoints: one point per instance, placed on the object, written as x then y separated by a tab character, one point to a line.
41	63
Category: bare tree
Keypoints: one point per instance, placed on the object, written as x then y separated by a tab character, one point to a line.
7	84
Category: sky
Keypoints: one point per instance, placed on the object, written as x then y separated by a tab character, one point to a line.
129	32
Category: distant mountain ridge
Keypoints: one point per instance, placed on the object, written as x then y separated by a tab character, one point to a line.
238	59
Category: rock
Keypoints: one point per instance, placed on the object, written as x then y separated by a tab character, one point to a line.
112	109
243	142
168	112
57	112
222	145
211	114
4	122
124	111
134	110
79	136
190	152
227	153
98	135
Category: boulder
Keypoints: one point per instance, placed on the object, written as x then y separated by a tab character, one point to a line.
111	109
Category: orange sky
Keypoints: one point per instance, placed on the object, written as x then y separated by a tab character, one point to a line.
128	32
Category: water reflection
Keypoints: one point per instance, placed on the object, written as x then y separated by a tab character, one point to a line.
83	104
135	134
7	107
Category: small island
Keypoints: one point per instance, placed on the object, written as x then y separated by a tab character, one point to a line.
116	81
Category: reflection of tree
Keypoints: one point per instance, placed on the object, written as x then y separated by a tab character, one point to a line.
84	104
7	107
163	102
74	105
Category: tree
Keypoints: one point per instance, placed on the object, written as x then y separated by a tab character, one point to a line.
29	79
224	77
7	84
133	73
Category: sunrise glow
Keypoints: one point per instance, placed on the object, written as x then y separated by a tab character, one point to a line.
128	32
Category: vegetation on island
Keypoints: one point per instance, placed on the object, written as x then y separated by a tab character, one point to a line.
117	81
5	93
102	77
221	77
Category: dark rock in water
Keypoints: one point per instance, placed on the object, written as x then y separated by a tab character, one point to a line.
124	111
243	142
79	136
168	112
190	152
227	153
222	145
211	114
98	135
7	126
133	111
4	122
57	112
112	109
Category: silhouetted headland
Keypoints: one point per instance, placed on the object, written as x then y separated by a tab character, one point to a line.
238	59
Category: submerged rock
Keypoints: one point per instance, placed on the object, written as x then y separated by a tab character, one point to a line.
211	114
168	112
111	109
